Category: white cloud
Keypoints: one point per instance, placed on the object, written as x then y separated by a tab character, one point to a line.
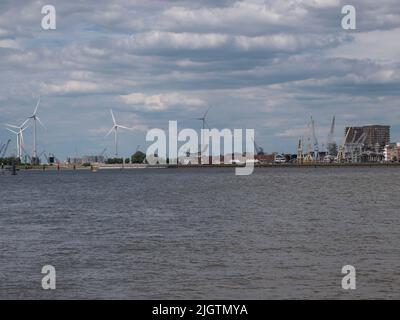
156	42
321	3
245	15
160	39
374	45
160	102
74	86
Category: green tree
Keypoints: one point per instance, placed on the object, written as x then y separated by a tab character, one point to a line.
138	157
115	160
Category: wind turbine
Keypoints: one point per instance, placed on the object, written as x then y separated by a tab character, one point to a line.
204	122
115	129
35	118
20	137
203	118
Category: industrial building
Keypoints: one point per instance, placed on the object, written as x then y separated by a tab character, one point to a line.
374	137
392	152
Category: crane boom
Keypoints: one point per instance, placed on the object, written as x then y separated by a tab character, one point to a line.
342	154
316	148
5	148
258	149
103	152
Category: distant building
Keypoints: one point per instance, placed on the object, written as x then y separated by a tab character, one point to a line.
93	159
74	161
86	159
374	137
392	152
265	158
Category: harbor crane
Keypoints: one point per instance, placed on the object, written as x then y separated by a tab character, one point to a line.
355	148
306	143
331	143
341	157
103	152
27	156
43	153
4	148
2	145
315	140
300	152
259	150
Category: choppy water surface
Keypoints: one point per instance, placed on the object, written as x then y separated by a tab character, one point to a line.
201	233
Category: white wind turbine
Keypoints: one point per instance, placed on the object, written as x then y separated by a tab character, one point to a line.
115	129
204	122
34	117
20	136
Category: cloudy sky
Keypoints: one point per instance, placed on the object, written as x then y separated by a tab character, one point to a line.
267	65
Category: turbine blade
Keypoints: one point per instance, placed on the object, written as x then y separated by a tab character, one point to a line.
123	127
207	112
41	123
109	132
12	126
36	108
11	131
25	122
113	118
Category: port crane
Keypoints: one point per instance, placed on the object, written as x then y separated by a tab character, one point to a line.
315	140
1	147
27	156
43	153
4	148
300	152
355	148
341	157
103	154
259	150
331	148
310	133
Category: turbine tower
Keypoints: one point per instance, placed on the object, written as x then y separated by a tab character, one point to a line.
115	129
35	118
204	122
20	137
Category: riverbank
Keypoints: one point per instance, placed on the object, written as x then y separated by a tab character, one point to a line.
97	167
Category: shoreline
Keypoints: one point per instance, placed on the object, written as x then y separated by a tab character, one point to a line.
95	168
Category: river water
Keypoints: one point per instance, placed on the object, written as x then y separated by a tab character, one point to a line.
281	233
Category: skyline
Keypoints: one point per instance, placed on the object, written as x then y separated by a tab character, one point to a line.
259	64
